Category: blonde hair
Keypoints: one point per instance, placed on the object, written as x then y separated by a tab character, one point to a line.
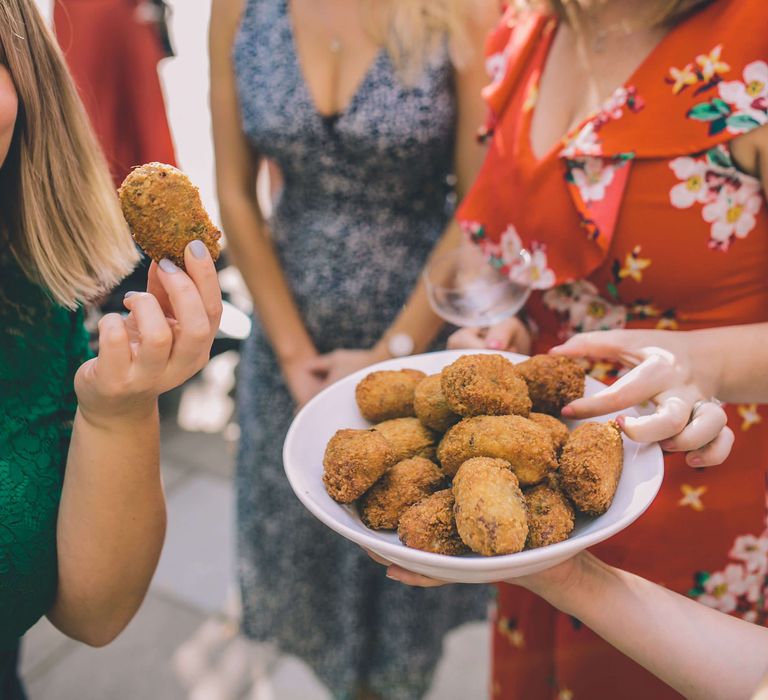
413	30
669	12
59	212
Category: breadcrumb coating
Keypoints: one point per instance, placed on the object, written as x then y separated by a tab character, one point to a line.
524	444
485	385
550	516
407	437
553	381
430	405
590	466
490	508
354	461
431	527
387	394
403	485
164	213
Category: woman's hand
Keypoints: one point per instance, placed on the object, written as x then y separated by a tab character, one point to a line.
165	339
669	368
511	335
339	363
558	579
302	380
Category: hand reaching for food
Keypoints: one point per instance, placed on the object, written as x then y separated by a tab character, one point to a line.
510	335
667	369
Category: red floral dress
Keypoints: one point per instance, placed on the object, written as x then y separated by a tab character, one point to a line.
639	219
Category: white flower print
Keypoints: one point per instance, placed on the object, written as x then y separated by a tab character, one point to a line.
750	97
694	188
584	309
593	179
753	551
585	142
733	213
723	589
541	276
496	66
730	199
510	245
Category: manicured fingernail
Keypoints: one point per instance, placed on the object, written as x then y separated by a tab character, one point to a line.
493	344
198	249
695	461
392	578
131	294
167	266
666	445
567	411
621	422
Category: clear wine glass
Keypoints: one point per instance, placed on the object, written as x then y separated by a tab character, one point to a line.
466	290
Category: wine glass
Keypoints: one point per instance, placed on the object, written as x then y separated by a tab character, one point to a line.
465	289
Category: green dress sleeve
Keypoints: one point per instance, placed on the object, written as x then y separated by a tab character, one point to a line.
41	347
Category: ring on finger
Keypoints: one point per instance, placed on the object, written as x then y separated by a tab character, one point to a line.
702	402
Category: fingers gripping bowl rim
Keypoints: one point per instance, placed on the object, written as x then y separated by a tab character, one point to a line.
335	408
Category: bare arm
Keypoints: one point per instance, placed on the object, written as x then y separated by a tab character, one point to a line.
247	233
700	652
111	521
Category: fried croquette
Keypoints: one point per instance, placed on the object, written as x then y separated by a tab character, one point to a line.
490	509
557	429
485	385
590	466
354	461
407	437
550	516
164	212
430	405
387	394
553	381
524	444
430	525
403	485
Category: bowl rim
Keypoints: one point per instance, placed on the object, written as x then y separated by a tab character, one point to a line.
474	563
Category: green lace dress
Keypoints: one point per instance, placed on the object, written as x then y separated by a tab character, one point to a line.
41	347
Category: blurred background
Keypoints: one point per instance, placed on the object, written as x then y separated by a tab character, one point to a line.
184	643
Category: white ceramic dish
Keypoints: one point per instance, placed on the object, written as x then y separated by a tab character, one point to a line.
335	408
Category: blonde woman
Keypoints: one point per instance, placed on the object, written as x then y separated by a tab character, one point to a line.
366	107
82	515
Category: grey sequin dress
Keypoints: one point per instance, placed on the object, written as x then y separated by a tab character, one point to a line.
364	201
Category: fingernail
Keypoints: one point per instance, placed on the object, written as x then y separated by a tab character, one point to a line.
567	411
695	461
131	294
198	249
167	266
666	445
620	422
392	578
493	345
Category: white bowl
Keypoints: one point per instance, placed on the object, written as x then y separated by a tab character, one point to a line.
335	408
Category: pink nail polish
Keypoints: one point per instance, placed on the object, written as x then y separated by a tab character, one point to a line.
493	345
567	411
695	461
